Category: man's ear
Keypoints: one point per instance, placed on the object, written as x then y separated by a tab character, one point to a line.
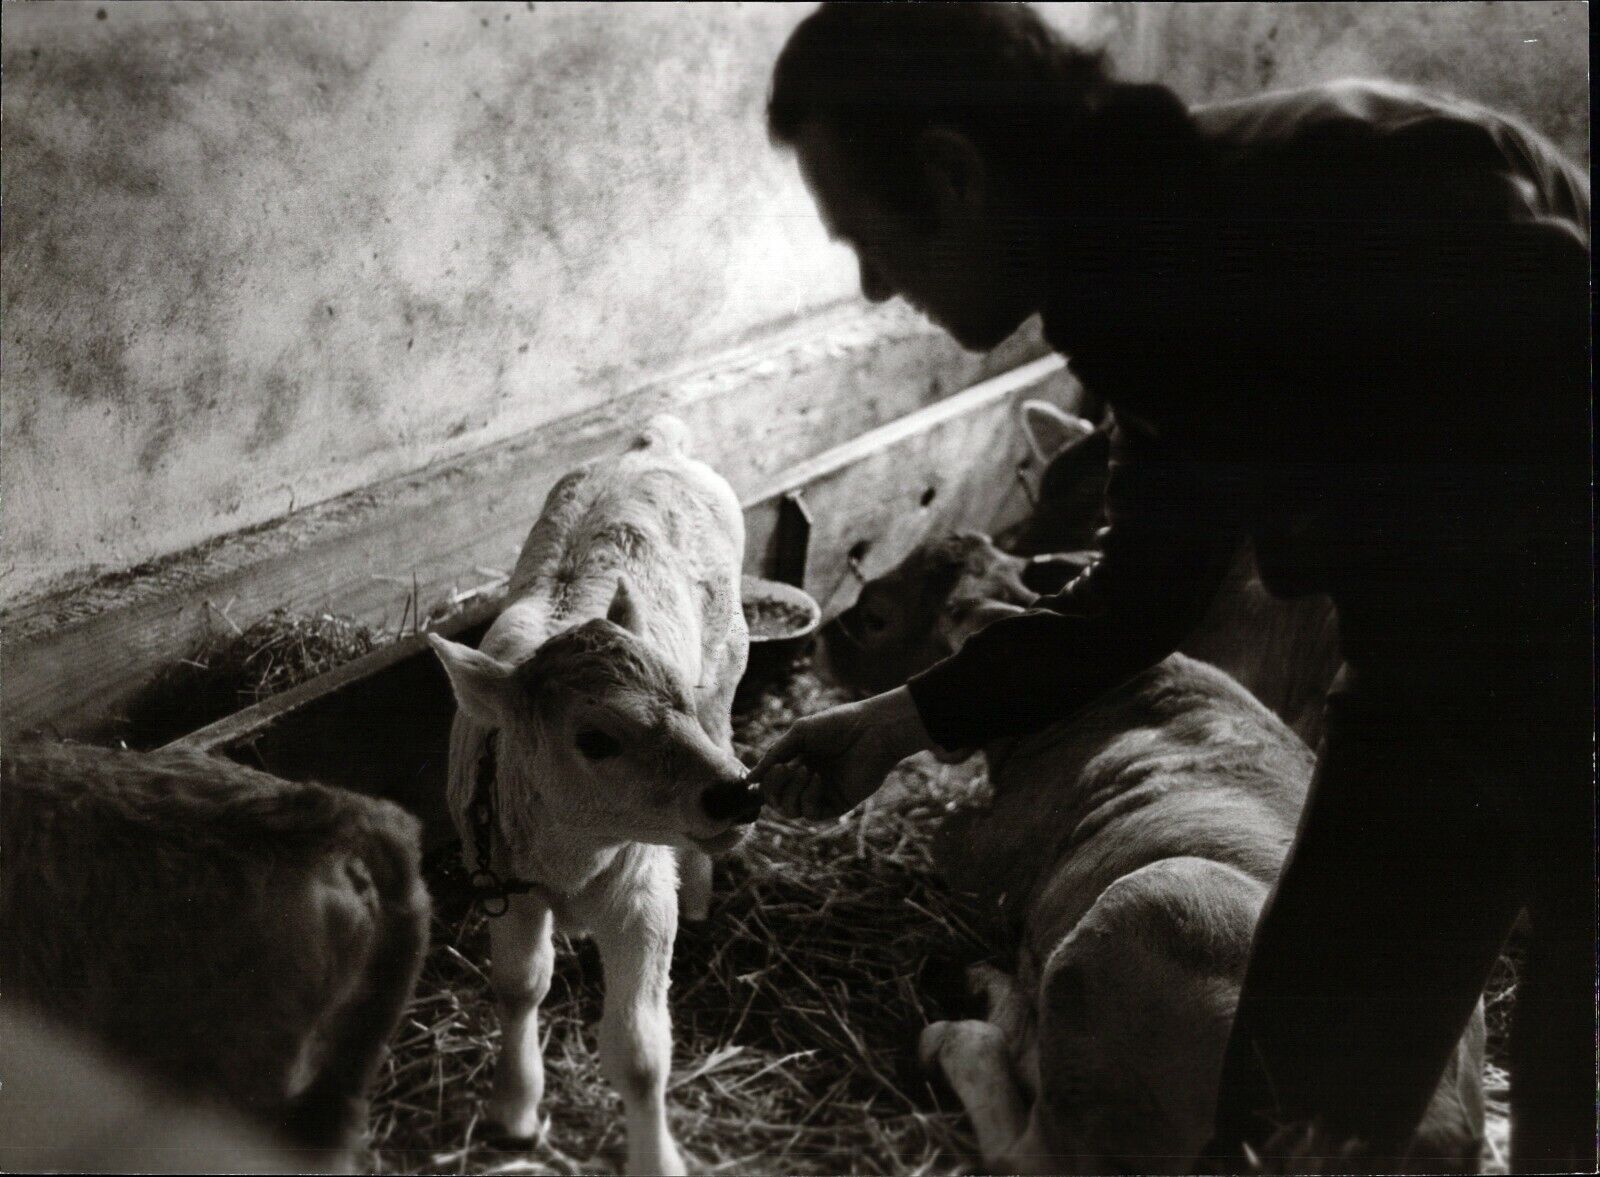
622	610
954	169
483	686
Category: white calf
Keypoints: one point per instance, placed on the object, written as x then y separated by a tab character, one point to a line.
608	678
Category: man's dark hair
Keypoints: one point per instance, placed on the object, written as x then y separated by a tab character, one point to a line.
877	75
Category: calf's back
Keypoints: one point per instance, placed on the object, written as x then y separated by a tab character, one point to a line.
236	936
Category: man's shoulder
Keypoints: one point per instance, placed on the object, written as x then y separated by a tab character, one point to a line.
1279	117
1394	134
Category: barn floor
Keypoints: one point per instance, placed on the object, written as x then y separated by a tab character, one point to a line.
796	1007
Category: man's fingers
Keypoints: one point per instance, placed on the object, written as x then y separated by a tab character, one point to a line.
770	783
795	791
795	794
789	782
782	787
781	749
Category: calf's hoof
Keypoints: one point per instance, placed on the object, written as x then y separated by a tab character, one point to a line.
663	1161
989	983
513	1126
934	1036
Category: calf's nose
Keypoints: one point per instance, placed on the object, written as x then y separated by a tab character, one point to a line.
735	801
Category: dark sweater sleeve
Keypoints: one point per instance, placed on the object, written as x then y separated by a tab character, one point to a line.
1172	531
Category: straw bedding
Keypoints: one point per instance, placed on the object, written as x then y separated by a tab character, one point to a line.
796	1005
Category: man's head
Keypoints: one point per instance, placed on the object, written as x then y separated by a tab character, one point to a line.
920	129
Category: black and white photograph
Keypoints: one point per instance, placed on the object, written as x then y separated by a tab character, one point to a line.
905	588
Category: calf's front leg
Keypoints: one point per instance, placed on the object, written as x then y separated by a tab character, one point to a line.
636	1028
974	1057
522	958
694	886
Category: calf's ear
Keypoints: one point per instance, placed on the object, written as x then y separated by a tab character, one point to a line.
623	611
482	685
1050	430
960	620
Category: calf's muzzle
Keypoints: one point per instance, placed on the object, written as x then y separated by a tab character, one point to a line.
733	801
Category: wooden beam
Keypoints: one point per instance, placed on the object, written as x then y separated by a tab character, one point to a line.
967	448
69	663
380	724
949	466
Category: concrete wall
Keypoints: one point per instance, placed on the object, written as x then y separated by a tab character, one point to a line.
256	256
1528	58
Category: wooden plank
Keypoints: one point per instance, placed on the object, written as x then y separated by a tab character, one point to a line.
869	490
949	466
69	663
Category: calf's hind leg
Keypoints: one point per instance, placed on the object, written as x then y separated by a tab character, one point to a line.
1009	1007
382	917
522	957
1134	1007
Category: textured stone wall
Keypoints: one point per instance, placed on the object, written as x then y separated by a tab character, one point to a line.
258	255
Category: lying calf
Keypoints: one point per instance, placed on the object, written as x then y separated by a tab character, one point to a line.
238	937
607	683
1128	851
1284	652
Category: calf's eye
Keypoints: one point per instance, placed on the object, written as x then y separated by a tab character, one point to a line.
596	745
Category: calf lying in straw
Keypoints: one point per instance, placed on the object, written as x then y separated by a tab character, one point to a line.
1285	652
240	938
1128	852
607	683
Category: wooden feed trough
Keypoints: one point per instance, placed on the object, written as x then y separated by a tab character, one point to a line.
380	724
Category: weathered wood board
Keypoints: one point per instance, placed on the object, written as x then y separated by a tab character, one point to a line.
67	664
380	724
958	464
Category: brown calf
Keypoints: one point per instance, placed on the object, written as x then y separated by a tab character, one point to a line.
237	937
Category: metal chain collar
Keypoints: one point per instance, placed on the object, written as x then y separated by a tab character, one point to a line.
489	891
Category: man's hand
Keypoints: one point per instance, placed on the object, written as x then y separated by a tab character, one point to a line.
830	762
